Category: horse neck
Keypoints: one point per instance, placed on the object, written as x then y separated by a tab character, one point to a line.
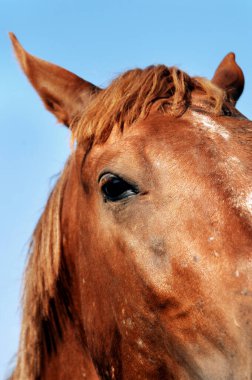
69	357
70	361
65	355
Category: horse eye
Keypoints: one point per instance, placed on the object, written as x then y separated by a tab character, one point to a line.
114	188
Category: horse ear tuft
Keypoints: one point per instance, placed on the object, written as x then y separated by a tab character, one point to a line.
229	77
63	93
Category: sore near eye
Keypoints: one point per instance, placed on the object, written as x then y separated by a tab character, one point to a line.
114	188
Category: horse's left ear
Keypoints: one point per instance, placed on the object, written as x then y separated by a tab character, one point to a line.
63	93
229	77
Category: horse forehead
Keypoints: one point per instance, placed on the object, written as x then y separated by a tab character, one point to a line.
140	145
153	133
192	126
211	126
160	136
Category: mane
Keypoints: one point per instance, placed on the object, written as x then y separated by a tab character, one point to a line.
129	98
45	288
132	95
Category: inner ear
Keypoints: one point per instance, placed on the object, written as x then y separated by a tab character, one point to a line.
229	76
63	93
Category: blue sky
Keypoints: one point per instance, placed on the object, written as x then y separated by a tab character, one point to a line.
97	40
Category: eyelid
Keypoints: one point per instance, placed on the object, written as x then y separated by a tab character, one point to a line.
107	174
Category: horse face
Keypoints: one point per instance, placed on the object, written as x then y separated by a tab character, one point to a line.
156	232
167	248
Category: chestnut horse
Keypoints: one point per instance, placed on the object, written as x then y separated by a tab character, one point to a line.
140	266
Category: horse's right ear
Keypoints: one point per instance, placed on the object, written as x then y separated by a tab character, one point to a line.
63	93
229	77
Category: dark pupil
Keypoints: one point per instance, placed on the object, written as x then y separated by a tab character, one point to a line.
115	187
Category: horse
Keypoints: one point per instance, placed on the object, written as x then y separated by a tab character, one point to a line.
140	266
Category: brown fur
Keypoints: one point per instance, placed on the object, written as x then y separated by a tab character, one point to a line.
129	98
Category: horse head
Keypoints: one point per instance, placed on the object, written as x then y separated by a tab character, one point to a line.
142	257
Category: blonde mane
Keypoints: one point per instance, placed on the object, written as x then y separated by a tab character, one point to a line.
129	98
